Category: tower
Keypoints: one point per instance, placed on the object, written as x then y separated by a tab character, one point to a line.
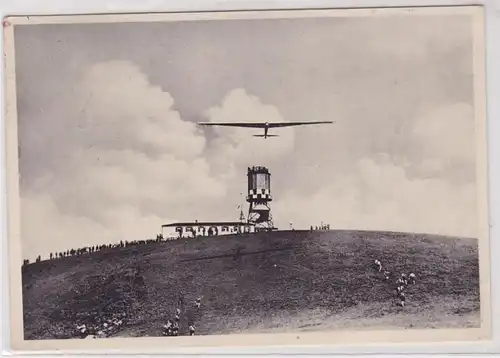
259	198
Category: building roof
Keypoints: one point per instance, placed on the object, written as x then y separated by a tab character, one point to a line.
208	223
258	170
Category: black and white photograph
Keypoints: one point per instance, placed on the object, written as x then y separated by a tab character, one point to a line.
247	174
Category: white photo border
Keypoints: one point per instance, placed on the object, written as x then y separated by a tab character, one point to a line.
492	51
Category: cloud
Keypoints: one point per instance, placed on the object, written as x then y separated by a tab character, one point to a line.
119	102
378	193
131	163
380	196
235	148
51	230
447	135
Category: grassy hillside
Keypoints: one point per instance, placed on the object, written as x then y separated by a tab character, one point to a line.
278	281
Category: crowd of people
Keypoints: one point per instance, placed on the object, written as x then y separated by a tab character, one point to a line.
401	284
322	227
109	316
101	326
172	327
95	248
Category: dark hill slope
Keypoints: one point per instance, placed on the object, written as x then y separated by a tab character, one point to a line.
319	276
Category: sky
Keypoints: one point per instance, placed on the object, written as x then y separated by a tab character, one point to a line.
110	149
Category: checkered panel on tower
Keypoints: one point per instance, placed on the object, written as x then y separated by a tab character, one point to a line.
262	194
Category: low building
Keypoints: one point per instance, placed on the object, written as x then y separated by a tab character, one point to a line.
194	229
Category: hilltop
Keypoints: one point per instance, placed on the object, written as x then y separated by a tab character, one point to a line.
276	281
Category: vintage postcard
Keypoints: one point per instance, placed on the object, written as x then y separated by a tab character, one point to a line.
247	178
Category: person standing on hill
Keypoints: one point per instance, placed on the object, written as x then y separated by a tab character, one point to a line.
82	330
167	329
404	278
412	278
402	299
191	329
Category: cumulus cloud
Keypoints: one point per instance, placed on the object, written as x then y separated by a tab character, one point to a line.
120	104
234	148
380	196
110	149
378	193
132	163
48	229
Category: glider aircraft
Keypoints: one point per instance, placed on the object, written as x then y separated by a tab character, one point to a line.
264	125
